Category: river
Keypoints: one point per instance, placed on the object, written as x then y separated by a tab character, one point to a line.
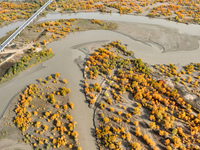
63	62
7	28
191	29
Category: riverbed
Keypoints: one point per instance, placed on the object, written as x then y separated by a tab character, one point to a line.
191	29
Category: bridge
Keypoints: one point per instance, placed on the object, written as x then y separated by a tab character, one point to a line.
17	32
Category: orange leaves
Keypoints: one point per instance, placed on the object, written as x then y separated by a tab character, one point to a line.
102	105
54	119
117	119
91	58
119	112
22	122
167	142
53	36
138	96
65	107
136	145
87	90
52	99
13	10
109	101
65	91
67	23
37	124
35	113
45	127
71	105
63	33
194	130
128	115
40	143
106	120
157	96
136	123
70	118
47	113
24	103
58	123
92	101
97	21
148	140
56	75
62	129
17	109
92	96
152	125
43	24
54	141
54	116
112	109
56	106
75	134
177	141
44	42
138	132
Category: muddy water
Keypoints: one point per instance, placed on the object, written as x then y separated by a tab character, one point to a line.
12	26
191	29
182	28
63	62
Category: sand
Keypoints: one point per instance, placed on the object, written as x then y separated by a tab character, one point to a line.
7	144
63	62
191	29
167	39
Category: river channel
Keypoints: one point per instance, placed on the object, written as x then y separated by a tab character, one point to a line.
191	29
65	54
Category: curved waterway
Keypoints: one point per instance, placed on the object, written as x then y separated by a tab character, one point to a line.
64	63
66	51
190	29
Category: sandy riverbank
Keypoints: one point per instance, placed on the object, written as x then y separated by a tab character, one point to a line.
167	39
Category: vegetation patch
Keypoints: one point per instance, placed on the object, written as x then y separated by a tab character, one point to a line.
42	114
134	107
43	33
179	11
11	11
28	60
